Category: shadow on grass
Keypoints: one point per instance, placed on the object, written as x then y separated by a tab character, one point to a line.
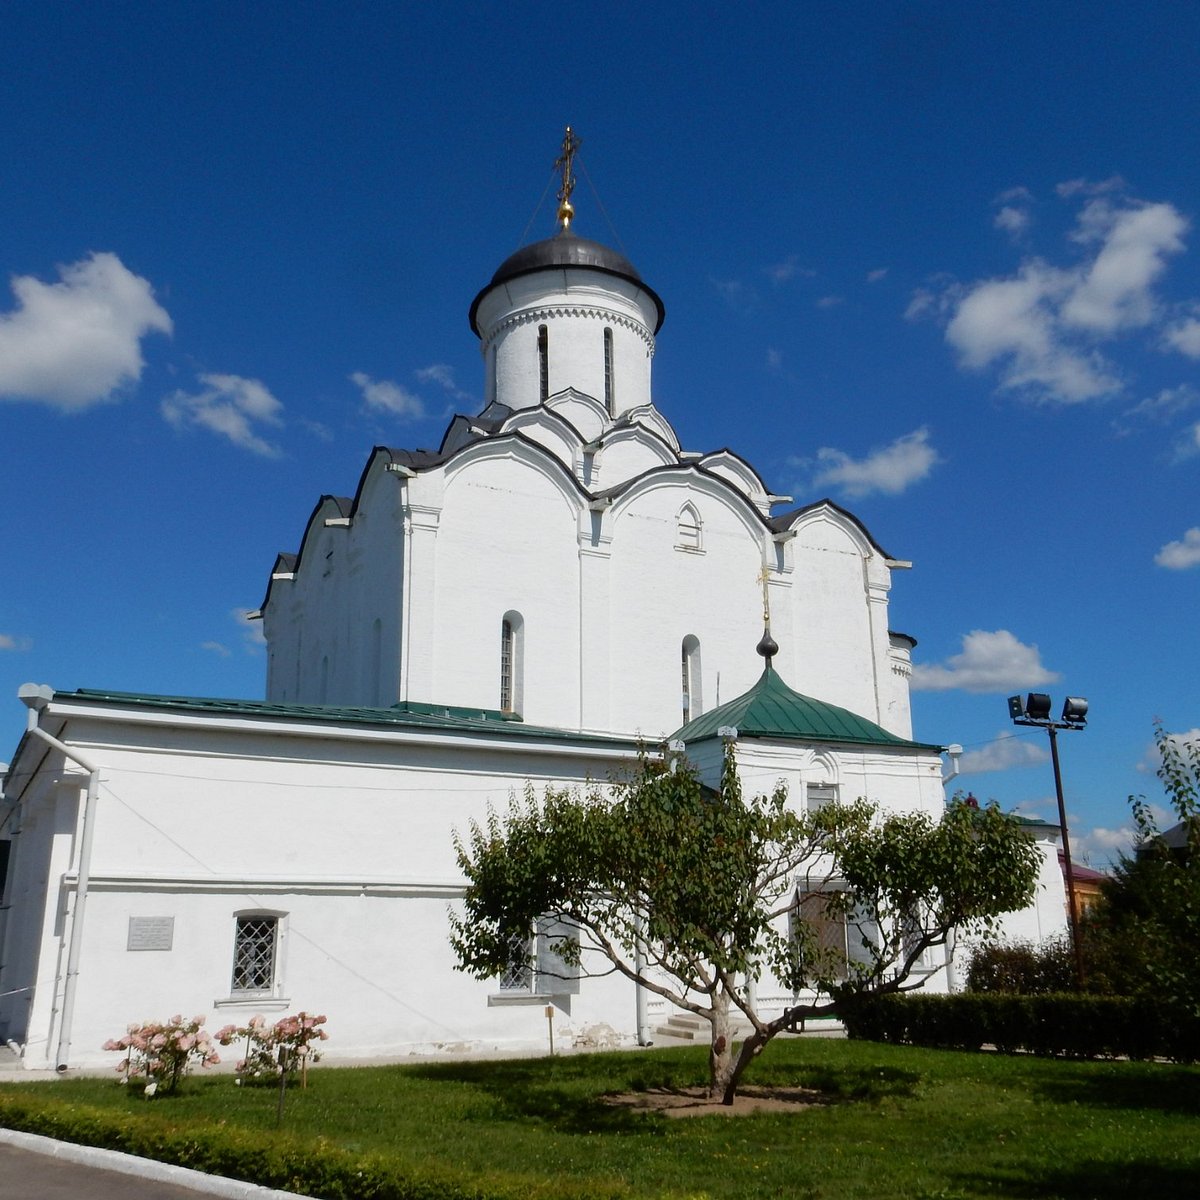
1159	1087
1088	1181
568	1093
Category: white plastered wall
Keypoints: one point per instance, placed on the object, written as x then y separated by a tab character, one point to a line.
346	837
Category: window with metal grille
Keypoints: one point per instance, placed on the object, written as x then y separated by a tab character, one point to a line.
608	372
543	363
519	975
828	925
818	795
544	962
254	944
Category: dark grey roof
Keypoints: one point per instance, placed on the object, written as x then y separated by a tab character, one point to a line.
566	249
785	521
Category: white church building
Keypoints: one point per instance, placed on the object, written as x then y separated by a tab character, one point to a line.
559	584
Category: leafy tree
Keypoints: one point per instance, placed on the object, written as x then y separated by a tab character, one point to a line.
1141	937
692	893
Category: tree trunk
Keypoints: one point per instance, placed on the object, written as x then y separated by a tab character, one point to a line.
720	1052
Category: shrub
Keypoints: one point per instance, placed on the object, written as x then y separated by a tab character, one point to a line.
163	1052
1078	1026
286	1046
1022	969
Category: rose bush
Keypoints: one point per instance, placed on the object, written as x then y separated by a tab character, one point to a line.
163	1052
288	1045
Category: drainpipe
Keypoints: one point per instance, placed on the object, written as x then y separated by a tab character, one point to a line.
36	697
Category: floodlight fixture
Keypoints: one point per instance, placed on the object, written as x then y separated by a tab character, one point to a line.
1036	711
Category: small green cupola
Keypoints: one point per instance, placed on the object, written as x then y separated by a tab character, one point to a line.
772	710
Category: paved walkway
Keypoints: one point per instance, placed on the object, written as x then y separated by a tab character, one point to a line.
39	1168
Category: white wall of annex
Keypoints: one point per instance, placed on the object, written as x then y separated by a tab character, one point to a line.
349	840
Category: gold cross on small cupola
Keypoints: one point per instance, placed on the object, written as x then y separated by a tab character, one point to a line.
565	163
767	647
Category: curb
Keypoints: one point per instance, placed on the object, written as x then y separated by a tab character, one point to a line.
146	1168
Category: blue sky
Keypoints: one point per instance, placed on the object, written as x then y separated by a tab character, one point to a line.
939	262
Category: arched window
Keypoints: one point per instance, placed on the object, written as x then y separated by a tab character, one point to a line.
609	400
543	363
689	661
689	528
512	646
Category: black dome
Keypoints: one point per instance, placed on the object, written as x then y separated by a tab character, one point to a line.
565	249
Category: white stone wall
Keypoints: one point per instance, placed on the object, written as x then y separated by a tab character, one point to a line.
405	601
344	835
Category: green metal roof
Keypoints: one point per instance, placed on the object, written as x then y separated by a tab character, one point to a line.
770	709
448	717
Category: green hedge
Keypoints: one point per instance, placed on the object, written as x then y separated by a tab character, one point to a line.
276	1161
1079	1026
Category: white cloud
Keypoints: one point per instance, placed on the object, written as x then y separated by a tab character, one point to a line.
788	268
217	648
1184	336
72	344
830	301
1180	555
1013	221
1012	215
1043	327
1189	445
1168	403
876	275
252	629
736	294
443	376
8	642
1101	846
1005	753
1114	291
1014	322
231	406
1087	187
890	469
385	396
993	661
774	359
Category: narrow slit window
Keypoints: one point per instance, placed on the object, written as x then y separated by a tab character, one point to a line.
689	662
543	345
512	643
609	400
508	647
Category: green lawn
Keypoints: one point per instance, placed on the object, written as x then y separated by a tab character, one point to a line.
902	1122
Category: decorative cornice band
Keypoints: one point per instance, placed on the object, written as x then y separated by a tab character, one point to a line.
529	315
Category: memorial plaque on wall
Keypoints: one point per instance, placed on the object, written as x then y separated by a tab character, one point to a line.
151	933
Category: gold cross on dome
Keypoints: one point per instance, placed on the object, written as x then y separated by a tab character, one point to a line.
565	163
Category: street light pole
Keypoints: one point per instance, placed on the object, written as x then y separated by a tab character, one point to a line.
1035	711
